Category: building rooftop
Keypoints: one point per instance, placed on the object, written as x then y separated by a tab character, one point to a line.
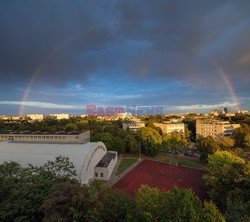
104	162
27	132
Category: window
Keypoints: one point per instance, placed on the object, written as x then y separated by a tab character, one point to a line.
96	174
101	174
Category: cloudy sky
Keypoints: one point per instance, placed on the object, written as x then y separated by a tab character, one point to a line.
61	55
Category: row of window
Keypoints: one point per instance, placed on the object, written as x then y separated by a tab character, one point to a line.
96	174
36	137
209	130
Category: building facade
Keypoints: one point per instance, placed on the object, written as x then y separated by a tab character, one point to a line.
214	128
39	137
83	156
60	116
37	117
133	125
105	167
168	128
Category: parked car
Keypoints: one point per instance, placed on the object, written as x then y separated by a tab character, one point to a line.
188	153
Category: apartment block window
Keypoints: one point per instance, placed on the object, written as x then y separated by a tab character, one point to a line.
101	174
96	174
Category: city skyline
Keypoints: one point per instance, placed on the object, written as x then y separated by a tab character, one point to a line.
59	56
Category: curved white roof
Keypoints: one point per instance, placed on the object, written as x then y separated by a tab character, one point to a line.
84	156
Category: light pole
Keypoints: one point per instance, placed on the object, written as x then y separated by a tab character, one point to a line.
140	150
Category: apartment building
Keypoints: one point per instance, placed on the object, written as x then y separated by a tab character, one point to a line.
37	117
44	137
171	127
11	118
214	128
133	125
60	116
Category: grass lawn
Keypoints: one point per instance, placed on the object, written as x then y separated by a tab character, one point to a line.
125	163
182	161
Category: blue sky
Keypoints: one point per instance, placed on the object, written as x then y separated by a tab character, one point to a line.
120	53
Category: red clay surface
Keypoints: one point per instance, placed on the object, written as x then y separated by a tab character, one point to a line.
164	176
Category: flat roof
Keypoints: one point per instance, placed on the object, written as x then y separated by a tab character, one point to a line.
105	161
43	133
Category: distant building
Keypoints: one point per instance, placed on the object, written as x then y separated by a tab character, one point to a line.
4	117
39	137
38	117
133	125
60	116
87	158
242	112
229	114
11	118
124	115
226	110
168	128
214	128
216	112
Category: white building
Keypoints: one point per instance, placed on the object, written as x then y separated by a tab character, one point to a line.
104	168
124	115
60	116
171	127
37	117
242	111
85	157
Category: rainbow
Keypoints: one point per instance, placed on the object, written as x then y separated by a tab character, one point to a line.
34	75
229	85
39	69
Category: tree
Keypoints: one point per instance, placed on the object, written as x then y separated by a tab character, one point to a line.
225	143
174	141
70	127
238	205
149	203
226	173
176	205
106	138
73	202
182	205
210	213
131	144
119	145
116	206
24	189
158	129
65	203
241	136
151	141
206	146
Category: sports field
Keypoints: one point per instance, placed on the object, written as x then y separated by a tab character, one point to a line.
163	176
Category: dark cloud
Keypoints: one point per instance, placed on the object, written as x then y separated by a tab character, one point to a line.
80	38
80	42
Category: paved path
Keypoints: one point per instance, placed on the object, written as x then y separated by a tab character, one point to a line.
114	177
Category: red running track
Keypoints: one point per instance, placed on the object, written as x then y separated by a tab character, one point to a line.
164	176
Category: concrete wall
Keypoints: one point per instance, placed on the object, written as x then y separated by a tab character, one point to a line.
47	138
